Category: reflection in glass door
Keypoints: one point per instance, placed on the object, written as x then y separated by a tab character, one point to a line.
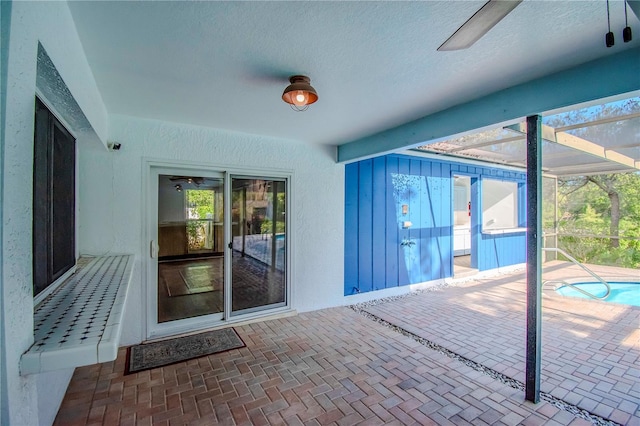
259	244
191	254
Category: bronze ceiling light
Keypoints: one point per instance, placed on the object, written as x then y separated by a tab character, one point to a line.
299	94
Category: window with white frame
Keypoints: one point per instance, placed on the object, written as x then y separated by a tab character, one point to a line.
499	204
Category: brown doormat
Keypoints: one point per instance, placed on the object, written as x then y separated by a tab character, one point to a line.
158	354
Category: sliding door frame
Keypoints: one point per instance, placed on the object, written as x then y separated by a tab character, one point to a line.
151	329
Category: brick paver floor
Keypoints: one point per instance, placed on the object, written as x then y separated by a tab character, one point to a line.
338	367
590	349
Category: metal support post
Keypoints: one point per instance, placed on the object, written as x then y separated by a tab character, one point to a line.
534	264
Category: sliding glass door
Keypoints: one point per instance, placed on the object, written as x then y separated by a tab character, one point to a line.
259	244
191	246
218	248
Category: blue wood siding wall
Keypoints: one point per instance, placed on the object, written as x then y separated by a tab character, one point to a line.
380	253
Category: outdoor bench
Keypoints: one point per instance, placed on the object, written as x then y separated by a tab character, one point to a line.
80	322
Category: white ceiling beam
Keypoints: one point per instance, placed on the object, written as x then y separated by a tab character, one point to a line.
595	168
566	139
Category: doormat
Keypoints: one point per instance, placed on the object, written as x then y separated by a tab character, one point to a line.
158	354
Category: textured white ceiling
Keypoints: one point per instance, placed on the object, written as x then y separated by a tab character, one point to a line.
374	64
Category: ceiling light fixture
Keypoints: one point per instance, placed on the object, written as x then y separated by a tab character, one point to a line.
299	94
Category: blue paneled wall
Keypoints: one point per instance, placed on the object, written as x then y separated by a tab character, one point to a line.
388	245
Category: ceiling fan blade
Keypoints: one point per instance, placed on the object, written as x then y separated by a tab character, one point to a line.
479	24
189	179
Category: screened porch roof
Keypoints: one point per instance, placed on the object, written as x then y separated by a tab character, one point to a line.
595	140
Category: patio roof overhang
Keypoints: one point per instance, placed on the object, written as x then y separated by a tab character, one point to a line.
609	144
581	85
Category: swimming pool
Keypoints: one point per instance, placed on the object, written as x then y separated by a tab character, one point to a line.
627	293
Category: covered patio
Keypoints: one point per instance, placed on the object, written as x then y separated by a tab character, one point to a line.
451	354
123	93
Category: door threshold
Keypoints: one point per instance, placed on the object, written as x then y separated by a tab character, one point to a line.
225	324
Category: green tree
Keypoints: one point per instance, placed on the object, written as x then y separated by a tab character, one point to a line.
201	202
592	209
595	208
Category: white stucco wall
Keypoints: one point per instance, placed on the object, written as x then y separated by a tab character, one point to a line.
112	198
31	400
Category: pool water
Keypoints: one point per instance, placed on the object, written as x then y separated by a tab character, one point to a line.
627	293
